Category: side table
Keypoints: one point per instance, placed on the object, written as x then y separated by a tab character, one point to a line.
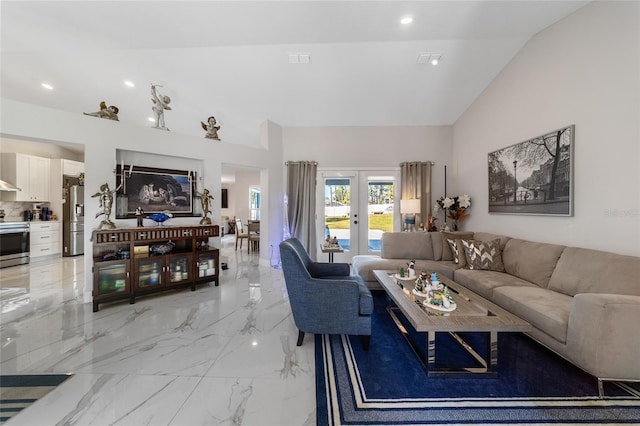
331	249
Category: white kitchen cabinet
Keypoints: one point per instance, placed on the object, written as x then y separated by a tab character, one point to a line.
45	238
72	168
29	173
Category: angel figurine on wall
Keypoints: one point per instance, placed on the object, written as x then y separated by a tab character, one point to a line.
108	112
106	201
160	103
211	128
205	199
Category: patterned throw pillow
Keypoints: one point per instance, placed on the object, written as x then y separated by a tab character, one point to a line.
458	252
483	255
458	235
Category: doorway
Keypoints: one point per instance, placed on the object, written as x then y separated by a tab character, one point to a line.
356	207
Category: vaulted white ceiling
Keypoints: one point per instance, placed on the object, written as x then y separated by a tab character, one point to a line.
230	59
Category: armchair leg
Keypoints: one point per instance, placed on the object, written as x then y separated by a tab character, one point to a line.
300	338
365	342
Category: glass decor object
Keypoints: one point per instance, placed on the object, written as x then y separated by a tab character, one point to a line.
159	218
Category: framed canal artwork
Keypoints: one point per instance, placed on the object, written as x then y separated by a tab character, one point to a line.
534	176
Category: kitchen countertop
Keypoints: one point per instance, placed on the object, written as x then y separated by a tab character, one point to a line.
17	221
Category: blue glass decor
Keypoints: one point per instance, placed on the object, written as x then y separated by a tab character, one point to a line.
159	217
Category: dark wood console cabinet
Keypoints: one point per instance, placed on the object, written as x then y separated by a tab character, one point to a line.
124	266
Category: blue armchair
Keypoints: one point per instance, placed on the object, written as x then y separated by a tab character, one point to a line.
324	298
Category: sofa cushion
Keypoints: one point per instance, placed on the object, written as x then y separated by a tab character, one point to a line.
406	245
544	309
483	255
446	250
445	267
530	260
364	265
582	270
484	282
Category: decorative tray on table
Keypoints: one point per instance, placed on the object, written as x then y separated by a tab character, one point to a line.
418	293
437	307
405	278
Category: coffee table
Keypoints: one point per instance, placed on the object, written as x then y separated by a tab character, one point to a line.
472	314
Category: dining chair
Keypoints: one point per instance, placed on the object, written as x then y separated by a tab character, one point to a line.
253	230
240	234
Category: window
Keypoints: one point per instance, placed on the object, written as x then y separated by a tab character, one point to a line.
254	203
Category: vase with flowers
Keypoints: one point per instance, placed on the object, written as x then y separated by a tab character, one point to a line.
454	208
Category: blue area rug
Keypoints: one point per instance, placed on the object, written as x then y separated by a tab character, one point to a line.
388	385
17	392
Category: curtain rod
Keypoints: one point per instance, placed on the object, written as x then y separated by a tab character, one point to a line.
433	163
297	162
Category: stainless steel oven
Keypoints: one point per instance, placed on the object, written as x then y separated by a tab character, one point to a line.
14	243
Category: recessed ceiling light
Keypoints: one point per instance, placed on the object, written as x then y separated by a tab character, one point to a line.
406	20
435	59
47	86
151	119
129	83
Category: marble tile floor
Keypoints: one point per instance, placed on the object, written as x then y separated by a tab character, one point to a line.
218	356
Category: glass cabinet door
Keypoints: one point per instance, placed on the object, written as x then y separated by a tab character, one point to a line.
179	270
149	273
111	278
206	264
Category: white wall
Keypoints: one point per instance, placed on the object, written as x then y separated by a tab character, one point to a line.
244	180
584	70
103	138
362	147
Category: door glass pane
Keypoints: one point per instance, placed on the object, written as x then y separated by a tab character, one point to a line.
254	203
380	205
337	210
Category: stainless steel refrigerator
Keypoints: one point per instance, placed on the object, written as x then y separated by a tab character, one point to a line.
73	218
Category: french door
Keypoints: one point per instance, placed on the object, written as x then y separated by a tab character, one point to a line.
355	207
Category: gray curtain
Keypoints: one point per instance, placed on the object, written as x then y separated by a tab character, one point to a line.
301	196
415	182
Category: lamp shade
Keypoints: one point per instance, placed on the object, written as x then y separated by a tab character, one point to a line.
410	206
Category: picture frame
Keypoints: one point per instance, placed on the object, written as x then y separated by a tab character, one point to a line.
534	177
154	191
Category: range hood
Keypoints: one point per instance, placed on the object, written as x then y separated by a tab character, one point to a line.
6	186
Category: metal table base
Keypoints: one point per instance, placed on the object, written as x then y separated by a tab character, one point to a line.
487	368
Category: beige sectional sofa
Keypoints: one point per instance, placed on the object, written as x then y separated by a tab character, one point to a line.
582	303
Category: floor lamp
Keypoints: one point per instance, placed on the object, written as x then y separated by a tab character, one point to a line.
410	208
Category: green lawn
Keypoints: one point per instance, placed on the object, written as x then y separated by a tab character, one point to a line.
384	222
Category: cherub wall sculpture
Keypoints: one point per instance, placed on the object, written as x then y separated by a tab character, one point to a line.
108	112
205	199
211	127
160	103
106	202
